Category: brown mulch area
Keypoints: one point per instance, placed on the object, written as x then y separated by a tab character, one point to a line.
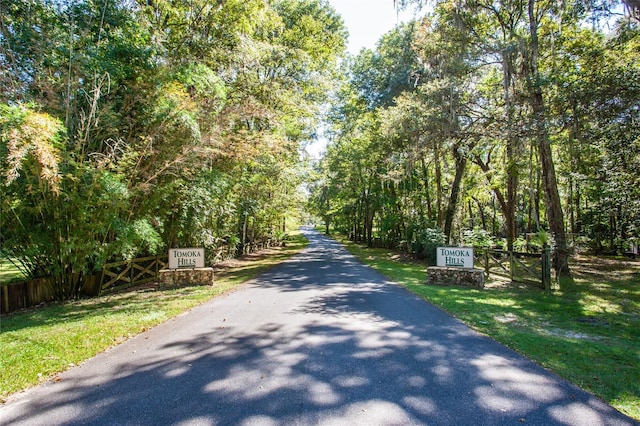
625	269
407	258
245	260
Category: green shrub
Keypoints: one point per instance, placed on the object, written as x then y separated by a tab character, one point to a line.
426	242
479	238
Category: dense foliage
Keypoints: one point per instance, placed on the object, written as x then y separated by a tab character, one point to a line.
130	126
509	124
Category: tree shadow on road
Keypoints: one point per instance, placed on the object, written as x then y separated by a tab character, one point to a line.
352	349
393	368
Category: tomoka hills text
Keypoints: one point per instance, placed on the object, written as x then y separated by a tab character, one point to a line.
185	253
453	252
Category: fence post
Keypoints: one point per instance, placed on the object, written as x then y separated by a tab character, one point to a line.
101	282
511	265
486	261
546	268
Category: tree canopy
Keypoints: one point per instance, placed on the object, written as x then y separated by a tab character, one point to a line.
131	126
510	124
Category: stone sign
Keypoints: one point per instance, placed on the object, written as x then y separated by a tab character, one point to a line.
186	258
459	257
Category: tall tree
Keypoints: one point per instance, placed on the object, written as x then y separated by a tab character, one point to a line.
177	123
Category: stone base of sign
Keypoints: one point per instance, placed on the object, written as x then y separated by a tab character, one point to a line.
466	277
185	277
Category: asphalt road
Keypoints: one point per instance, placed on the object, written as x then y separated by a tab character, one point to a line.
318	340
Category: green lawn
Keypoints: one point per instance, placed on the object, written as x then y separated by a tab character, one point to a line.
588	333
38	343
8	272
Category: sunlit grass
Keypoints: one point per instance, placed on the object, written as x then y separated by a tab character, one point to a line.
588	333
8	272
37	344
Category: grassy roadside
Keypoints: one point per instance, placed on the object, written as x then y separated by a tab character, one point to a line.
8	272
589	333
37	344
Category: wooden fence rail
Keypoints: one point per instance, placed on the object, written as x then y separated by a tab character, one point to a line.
113	277
533	268
25	294
120	275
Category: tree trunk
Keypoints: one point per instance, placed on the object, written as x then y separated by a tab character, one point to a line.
534	205
496	191
512	193
512	153
461	163
244	231
368	220
483	218
438	172
426	183
553	203
555	216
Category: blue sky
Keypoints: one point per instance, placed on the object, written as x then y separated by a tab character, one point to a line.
368	20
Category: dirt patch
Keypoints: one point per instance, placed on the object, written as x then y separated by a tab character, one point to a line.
586	268
570	334
245	260
507	318
497	282
623	269
406	258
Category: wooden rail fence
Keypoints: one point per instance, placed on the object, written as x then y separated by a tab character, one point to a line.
532	268
113	277
120	275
